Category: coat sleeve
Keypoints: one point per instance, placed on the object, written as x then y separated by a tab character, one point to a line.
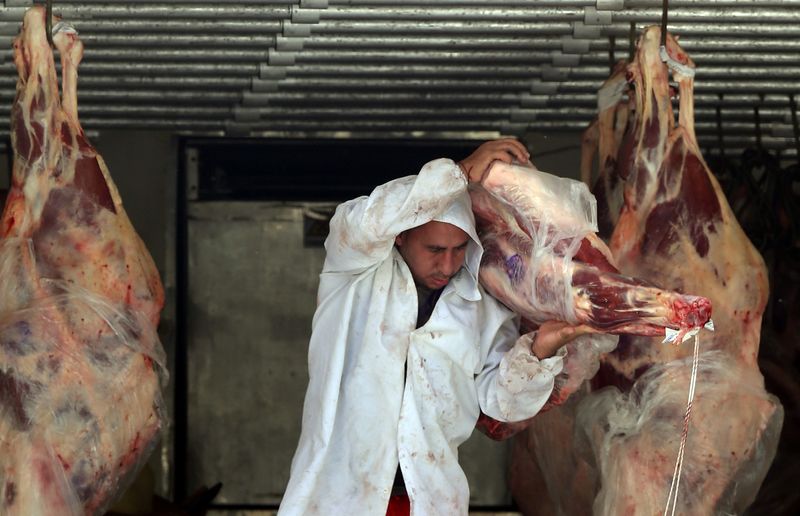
362	231
513	384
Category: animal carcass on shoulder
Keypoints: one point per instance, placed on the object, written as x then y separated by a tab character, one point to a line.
80	299
543	260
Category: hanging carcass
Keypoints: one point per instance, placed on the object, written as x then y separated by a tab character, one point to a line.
617	446
602	139
80	299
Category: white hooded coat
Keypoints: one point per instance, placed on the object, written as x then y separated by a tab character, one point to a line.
362	414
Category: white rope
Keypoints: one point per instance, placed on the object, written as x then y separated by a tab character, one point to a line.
676	474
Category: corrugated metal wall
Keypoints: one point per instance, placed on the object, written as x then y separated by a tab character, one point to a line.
419	68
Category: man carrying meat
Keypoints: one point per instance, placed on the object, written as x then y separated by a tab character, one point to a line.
407	349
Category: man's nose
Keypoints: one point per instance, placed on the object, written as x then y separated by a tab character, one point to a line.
450	263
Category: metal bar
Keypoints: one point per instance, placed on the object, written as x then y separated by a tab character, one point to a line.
136	111
433	27
778	12
715	27
143	123
540	13
296	99
562	14
774	106
695	14
96	27
201	71
264	40
137	81
489	64
73	12
766	85
491	85
503	85
389	57
552	28
125	56
156	97
453	53
711	46
417	72
744	133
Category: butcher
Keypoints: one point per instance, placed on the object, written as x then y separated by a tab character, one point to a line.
407	350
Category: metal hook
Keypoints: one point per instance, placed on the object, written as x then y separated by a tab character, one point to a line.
664	12
48	24
611	60
632	41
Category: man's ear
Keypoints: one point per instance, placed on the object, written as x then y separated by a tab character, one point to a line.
399	239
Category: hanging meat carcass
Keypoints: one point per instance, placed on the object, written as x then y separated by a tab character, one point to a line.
620	442
80	299
603	138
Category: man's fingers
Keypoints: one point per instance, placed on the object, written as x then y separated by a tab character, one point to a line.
569	333
517	149
506	150
553	335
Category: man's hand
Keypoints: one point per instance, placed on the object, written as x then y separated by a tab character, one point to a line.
552	335
506	150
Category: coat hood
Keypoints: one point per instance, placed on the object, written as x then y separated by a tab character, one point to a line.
459	214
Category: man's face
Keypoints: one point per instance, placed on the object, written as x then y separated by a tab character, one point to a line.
434	252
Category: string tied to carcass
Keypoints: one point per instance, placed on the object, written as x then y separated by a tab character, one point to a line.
679	336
